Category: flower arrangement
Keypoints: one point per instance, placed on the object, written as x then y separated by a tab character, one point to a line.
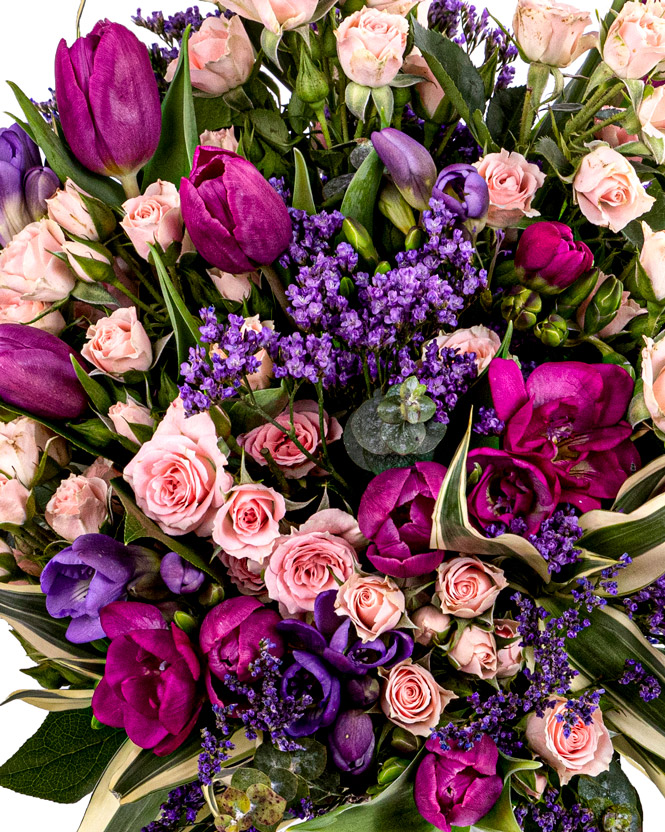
332	409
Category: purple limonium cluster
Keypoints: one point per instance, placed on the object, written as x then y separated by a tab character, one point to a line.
182	805
647	608
553	816
487	423
635	674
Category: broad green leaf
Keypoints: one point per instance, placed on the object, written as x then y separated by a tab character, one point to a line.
302	189
93	293
185	327
53	700
94	390
503	115
63	760
646	483
611	788
272	400
651	764
360	196
179	137
270	125
501	817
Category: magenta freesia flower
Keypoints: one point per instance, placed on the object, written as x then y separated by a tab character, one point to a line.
151	682
395	514
457	788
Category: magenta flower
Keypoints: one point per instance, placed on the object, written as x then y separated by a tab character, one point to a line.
151	682
395	514
548	259
457	788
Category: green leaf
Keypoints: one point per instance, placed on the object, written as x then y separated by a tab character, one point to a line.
93	293
185	327
360	196
63	760
655	218
270	125
211	114
503	115
272	400
60	158
53	700
501	817
179	137
551	151
611	789
646	483
94	390
303	198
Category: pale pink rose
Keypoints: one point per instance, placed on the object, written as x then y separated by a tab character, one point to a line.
370	46
154	218
615	134
118	343
511	657
653	378
467	586
246	575
275	15
635	42
28	264
68	210
651	112
13	501
247	525
430	90
652	259
412	699
338	522
79	255
290	459
15	310
586	750
179	476
22	443
475	653
430	621
125	414
79	506
628	309
402	7
224	138
235	287
552	33
102	469
422	13
478	339
608	190
374	604
512	183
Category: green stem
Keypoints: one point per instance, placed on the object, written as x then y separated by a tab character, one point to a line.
121	252
321	116
344	117
144	306
599	126
599	98
130	185
536	83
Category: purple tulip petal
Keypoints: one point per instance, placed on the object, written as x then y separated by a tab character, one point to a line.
325	617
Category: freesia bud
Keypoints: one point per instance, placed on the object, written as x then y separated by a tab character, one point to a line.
409	164
552	332
604	305
179	576
464	192
363	691
39	184
570	299
357	236
396	209
522	306
352	742
548	260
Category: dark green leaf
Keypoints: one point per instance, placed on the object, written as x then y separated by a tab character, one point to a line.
244	417
93	293
552	152
655	218
245	777
501	817
612	789
302	189
95	431
360	196
94	390
185	327
503	115
270	125
211	114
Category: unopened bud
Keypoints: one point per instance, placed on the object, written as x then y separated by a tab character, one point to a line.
568	301
522	307
395	208
357	236
552	332
311	84
603	305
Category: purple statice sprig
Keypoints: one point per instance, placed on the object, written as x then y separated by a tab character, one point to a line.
214	753
635	674
551	814
487	423
171	28
647	608
180	809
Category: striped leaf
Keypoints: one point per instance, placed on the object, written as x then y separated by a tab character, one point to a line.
642	486
53	700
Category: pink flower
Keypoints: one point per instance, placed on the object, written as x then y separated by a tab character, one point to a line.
652	259
275	15
235	287
247	525
68	210
628	308
402	7
22	443
15	310
429	90
224	138
287	455
246	574
467	586
608	190
179	476
615	134
154	218
221	56
512	183
429	621
653	378
13	501
79	257
29	266
102	468
118	343
412	699
79	506
125	414
651	112
635	42
475	653
478	339
586	750
511	657
552	33
370	46
374	604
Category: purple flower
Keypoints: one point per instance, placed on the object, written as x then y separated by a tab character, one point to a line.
309	675
151	681
36	373
463	191
108	100
457	788
235	219
548	260
179	576
395	514
409	164
352	742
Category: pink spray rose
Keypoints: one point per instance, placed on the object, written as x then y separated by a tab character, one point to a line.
275	15
246	575
475	653
179	476
374	604
22	443
652	259
651	112
118	343
511	657
235	287
512	183
478	339
412	698
586	750
247	525
429	89
28	264
15	310
224	138
13	501
628	308
635	42
429	621
370	46
125	414
653	377
615	134
402	7
154	218
467	586
79	506
68	210
552	33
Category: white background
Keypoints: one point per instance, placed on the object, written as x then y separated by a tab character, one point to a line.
31	31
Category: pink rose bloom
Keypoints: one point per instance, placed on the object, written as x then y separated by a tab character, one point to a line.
512	183
224	139
475	653
79	506
430	90
28	264
125	414
68	210
103	469
247	525
275	15
430	621
511	657
552	33
246	575
154	217
375	604
587	749
15	310
652	259
608	190
235	287
78	257
615	135
635	42
653	378
22	443
179	476
402	7
412	699
13	501
290	459
118	343
628	308
467	586
651	112
370	46
478	339
221	56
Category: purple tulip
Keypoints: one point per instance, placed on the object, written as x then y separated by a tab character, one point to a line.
108	100
151	681
548	260
352	742
457	788
179	576
36	373
395	514
463	191
310	675
236	220
18	149
409	164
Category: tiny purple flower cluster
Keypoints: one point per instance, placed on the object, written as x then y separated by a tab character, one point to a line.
182	804
635	674
647	608
488	423
553	816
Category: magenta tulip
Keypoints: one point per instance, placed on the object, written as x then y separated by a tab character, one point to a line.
548	259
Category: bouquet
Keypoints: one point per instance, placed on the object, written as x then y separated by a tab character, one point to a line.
332	381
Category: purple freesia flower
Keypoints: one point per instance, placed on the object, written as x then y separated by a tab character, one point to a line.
409	164
151	681
457	788
352	742
179	576
548	259
82	579
395	514
310	675
463	191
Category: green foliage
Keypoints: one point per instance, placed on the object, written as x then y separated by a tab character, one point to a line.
611	792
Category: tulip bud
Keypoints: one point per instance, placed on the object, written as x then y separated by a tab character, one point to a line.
548	260
569	300
363	691
409	164
179	576
465	194
522	307
352	742
552	332
311	84
603	305
39	184
396	209
356	235
90	262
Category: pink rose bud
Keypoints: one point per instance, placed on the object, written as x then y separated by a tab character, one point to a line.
467	586
246	575
478	339
628	308
89	264
235	287
22	443
370	46
511	657
653	378
68	210
412	699
614	134
512	183
15	310
103	469
224	138
552	33
118	344
652	259
125	414
635	42
587	749
429	90
247	525
28	264
79	506
154	218
275	15
13	501
375	604
651	112
608	191
431	622
475	653
263	376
